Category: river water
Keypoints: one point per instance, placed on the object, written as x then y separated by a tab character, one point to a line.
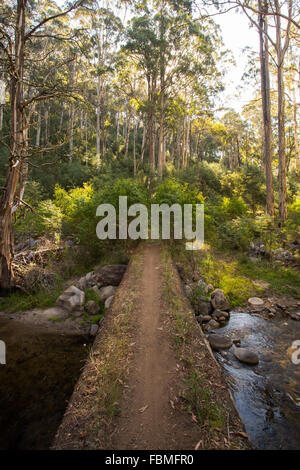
267	395
42	368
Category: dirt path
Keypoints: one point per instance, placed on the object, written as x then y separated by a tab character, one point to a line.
148	420
131	392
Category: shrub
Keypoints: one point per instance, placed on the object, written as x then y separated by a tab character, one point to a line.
169	191
46	219
233	207
293	222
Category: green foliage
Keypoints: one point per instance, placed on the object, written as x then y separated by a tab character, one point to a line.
132	188
19	301
204	176
281	278
169	191
46	219
69	201
79	206
293	222
233	207
247	182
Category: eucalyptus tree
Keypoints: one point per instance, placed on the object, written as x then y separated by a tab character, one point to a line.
22	23
142	43
281	17
178	56
103	31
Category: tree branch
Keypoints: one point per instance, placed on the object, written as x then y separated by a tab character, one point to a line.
75	5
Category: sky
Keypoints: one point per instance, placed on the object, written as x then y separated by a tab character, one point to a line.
237	34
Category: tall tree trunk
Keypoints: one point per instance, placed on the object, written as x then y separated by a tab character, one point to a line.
17	150
296	140
128	128
151	124
86	139
184	143
71	115
282	203
61	120
46	119
117	131
143	145
98	151
38	129
161	143
71	139
295	105
134	149
1	116
266	105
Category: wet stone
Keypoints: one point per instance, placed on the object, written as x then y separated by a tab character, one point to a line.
246	355
217	341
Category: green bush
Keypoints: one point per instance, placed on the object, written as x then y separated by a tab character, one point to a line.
169	191
46	219
293	222
233	207
79	207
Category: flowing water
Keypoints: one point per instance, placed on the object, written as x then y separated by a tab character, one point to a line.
267	395
42	368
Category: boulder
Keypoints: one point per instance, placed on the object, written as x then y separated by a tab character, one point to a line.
97	291
204	308
202	284
87	281
247	356
217	314
77	314
207	328
55	312
111	275
209	288
92	307
106	292
72	299
255	302
94	330
187	290
213	323
218	342
82	283
219	300
108	301
205	318
295	316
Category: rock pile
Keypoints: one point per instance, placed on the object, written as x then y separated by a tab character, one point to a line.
210	314
102	281
281	255
273	307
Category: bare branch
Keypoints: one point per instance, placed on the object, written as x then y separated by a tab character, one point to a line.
75	5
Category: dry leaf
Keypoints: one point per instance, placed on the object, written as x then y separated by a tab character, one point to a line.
198	445
141	410
194	418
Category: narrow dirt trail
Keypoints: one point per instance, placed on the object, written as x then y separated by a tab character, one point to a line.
147	418
149	374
